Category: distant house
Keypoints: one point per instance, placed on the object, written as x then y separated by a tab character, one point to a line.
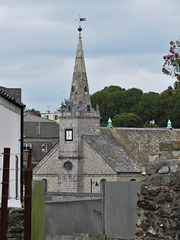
51	116
11	129
40	134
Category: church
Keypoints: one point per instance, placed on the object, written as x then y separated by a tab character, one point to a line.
87	154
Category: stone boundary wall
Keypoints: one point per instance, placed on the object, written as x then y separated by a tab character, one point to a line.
140	142
159	199
15	224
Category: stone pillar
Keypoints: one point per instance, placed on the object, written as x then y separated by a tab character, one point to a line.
159	198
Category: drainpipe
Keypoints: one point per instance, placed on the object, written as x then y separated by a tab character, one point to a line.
21	153
103	206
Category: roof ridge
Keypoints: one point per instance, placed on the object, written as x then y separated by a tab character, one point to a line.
11	99
45	158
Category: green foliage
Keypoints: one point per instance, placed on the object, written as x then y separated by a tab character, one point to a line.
30	110
114	100
145	108
127	120
64	105
149	106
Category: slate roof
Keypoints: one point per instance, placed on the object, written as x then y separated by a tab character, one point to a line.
114	154
29	117
38	127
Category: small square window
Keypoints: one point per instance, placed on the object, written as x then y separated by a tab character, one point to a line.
68	134
55	117
27	146
44	147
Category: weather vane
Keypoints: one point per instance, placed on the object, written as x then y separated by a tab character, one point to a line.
80	28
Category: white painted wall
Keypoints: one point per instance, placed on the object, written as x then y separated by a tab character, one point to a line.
9	138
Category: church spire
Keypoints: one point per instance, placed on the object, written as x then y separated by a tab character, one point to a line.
79	96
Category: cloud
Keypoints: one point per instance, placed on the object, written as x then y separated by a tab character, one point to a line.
124	42
118	72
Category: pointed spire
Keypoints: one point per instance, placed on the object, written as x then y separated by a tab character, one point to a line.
79	96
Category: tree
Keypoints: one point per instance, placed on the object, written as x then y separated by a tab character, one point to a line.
149	106
127	120
172	61
31	110
109	100
64	105
114	100
145	109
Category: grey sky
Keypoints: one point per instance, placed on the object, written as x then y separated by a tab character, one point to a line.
124	42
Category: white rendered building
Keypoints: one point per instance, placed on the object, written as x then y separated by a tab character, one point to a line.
11	129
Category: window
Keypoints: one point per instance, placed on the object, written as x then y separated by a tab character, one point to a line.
68	166
55	117
88	108
69	108
68	134
45	184
132	180
44	147
102	185
27	146
85	89
46	116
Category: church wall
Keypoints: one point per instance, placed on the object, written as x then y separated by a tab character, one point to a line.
80	125
48	169
94	169
70	180
126	177
52	181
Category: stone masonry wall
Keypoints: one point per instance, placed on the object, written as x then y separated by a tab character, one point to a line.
140	142
159	199
15	224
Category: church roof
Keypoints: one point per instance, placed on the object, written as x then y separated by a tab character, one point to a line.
79	96
114	154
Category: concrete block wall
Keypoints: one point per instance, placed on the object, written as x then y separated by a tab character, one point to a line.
159	199
79	236
73	216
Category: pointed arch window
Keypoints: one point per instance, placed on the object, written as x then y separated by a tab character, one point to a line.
45	184
88	108
85	89
72	89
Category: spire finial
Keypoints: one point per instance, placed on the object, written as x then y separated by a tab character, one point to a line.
169	124
80	28
109	123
